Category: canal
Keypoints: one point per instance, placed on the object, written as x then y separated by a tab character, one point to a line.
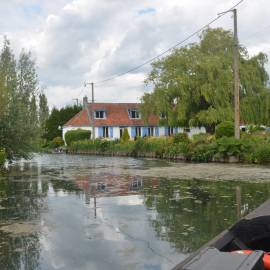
82	212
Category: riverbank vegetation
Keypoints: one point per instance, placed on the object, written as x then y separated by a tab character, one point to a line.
253	147
23	106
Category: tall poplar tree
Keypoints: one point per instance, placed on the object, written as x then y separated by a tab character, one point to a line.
19	119
43	113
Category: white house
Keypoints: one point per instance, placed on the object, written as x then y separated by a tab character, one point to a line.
110	119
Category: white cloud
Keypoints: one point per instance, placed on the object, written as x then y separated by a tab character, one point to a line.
79	40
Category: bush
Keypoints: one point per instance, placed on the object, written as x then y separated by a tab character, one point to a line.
181	138
57	142
224	129
139	146
203	153
226	147
253	129
125	137
77	135
202	138
262	154
126	148
2	157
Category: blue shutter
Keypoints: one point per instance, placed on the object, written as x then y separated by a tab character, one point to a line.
157	131
166	131
111	132
144	131
133	132
100	132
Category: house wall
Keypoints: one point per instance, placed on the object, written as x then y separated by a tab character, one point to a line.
162	131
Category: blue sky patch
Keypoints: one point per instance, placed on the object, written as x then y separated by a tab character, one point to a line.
146	11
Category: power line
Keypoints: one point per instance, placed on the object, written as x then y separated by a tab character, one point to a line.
168	50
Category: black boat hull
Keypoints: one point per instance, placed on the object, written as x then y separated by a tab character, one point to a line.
250	233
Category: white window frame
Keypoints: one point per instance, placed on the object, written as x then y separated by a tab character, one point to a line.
162	115
138	131
170	131
187	129
135	112
151	131
105	131
98	112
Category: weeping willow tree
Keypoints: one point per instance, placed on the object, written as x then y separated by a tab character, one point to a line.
194	85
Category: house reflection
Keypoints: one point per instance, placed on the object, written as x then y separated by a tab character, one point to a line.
104	185
136	184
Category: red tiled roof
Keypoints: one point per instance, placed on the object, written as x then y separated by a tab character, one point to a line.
116	115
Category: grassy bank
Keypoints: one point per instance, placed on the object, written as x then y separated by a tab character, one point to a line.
200	148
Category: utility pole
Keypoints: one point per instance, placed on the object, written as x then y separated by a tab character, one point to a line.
77	101
235	74
93	98
92	116
236	79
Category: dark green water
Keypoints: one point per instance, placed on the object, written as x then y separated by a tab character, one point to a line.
64	212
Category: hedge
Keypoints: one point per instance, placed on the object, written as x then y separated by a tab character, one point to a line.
77	135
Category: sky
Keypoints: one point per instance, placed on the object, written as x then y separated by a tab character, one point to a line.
77	41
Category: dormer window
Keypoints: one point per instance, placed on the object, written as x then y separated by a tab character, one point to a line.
100	114
134	114
162	115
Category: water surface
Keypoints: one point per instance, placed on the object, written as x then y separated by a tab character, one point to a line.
80	212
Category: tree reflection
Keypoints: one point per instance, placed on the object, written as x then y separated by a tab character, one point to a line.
21	203
190	213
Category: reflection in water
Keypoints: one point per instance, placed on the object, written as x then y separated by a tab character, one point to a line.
64	215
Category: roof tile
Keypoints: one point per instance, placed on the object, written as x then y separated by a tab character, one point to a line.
116	115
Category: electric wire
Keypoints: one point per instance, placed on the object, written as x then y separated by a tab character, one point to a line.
169	49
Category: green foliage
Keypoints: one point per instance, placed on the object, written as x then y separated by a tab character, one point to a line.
224	129
253	129
2	157
202	138
193	85
56	120
262	154
103	145
202	153
77	135
43	112
125	137
139	146
20	128
57	142
202	148
181	137
226	147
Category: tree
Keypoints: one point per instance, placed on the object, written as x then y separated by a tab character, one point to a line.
125	137
194	85
57	119
43	113
19	127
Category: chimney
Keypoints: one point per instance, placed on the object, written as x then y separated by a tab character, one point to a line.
85	102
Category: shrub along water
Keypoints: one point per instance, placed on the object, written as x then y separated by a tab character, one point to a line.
200	148
2	158
224	129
